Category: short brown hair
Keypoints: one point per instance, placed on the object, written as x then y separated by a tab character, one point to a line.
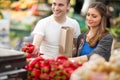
68	1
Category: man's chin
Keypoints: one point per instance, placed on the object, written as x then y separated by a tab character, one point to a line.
56	15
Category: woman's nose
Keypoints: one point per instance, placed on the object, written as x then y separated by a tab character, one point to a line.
89	18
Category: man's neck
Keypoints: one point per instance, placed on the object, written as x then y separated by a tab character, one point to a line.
60	19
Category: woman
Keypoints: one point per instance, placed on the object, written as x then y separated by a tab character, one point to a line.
97	40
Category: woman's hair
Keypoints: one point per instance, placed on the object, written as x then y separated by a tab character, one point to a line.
101	8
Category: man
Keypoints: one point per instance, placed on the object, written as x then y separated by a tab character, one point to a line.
47	31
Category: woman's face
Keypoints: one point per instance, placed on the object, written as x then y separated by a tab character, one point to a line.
93	18
60	8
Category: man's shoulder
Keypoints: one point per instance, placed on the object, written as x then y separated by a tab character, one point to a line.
45	19
71	19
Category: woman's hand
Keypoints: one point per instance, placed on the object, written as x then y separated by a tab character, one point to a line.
79	59
75	59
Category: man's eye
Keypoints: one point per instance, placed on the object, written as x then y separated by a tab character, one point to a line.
54	4
60	4
88	14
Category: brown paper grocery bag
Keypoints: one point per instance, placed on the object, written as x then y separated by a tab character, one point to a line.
66	41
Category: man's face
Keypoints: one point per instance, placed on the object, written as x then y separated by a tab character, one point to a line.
60	8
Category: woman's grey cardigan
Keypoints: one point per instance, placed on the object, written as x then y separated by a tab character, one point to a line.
103	48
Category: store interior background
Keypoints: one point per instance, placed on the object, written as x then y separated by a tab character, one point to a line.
18	18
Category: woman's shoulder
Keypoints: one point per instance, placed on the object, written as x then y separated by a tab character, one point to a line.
108	35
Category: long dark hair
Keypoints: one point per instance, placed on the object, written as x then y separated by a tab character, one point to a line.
101	8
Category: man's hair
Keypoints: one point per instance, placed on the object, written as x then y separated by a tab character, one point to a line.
68	1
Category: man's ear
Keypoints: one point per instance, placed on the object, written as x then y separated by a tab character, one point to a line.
69	6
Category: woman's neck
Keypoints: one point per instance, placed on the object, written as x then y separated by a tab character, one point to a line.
91	33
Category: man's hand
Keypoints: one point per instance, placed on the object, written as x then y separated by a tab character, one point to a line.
35	52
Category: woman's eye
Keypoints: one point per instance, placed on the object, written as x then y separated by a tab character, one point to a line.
94	16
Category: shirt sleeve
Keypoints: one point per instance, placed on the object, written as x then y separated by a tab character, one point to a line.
39	28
